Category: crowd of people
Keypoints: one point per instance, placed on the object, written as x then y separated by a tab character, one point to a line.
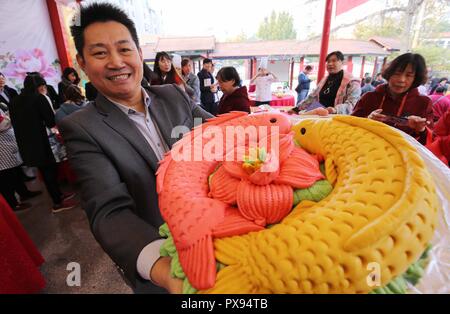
29	138
394	98
135	107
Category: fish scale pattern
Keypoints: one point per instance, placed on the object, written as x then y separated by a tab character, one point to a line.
382	210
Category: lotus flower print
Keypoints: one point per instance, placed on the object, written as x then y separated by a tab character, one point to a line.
29	61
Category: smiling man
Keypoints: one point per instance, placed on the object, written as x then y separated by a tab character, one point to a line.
116	141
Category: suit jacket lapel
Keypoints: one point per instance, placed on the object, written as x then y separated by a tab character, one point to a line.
118	121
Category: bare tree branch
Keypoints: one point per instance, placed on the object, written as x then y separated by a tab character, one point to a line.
395	9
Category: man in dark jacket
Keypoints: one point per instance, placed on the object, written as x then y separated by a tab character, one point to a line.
207	87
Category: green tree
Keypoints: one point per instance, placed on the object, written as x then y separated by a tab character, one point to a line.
426	25
436	58
241	37
277	27
391	27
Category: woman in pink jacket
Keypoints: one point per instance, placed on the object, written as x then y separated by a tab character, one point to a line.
338	92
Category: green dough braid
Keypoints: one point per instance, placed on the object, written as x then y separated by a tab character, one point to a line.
316	192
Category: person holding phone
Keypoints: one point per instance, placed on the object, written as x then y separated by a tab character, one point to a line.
399	103
338	92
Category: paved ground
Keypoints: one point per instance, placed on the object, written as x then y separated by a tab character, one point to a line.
63	238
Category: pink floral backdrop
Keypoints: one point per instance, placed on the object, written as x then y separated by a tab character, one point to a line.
15	66
27	43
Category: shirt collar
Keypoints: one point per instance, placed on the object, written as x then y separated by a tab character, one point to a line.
127	110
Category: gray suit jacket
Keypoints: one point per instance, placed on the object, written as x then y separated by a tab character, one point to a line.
115	168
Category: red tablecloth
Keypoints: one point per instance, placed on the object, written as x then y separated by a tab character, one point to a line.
19	258
285	101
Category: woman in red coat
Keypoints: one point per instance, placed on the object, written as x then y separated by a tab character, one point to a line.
399	103
235	96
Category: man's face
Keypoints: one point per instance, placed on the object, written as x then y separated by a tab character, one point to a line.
308	71
2	81
207	66
112	61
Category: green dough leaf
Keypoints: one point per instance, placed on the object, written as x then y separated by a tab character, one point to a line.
317	192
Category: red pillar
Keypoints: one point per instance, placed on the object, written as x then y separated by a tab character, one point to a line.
302	64
361	75
292	73
375	65
384	64
248	68
325	38
58	34
254	68
350	64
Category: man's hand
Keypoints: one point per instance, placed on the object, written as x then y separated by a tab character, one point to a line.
418	124
160	275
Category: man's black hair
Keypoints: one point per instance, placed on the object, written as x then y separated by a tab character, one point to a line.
99	12
207	60
308	68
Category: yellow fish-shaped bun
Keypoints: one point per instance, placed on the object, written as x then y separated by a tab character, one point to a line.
380	216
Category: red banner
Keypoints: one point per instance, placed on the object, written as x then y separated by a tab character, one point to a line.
343	6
